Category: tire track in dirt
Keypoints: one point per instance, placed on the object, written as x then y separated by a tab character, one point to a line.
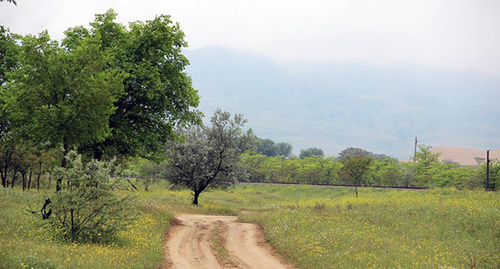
190	245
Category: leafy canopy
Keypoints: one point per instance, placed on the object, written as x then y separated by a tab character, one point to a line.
108	90
158	95
60	97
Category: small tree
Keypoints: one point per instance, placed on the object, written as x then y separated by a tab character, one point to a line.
427	162
355	169
425	156
210	157
85	209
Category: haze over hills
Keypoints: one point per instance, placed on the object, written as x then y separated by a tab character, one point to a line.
335	106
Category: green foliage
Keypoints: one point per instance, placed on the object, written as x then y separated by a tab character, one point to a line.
85	209
267	147
353	152
313	169
425	156
109	90
494	176
271	149
158	95
360	152
284	149
304	153
8	53
61	97
355	169
210	157
383	172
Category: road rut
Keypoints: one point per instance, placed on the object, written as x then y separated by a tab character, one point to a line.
190	244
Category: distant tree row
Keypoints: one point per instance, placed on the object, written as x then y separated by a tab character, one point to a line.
363	168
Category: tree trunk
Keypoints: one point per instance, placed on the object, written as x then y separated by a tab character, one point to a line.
73	228
356	188
63	165
4	179
13	179
23	176
195	199
38	176
29	181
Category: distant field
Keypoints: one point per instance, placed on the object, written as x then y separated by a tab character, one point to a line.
313	227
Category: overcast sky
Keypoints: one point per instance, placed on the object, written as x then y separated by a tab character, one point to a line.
454	34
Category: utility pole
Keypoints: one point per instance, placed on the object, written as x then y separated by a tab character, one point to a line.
487	169
415	153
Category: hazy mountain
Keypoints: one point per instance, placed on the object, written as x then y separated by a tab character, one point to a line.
335	106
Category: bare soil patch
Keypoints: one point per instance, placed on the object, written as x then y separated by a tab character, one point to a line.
205	241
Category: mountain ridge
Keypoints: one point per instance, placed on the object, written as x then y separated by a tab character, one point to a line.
338	105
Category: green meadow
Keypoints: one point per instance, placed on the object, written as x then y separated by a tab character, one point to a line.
312	227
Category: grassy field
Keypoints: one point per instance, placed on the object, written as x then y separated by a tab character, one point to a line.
388	229
25	241
313	227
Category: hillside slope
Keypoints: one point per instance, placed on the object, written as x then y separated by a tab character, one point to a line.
465	156
338	105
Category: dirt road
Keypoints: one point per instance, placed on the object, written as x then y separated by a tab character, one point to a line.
193	240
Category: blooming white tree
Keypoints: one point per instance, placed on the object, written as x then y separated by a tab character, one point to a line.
209	157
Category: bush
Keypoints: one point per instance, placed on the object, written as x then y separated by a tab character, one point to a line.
85	209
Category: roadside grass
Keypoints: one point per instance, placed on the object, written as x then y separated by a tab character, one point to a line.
26	242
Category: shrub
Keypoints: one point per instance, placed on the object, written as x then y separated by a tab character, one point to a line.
85	209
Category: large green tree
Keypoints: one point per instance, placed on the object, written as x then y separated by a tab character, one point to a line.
210	157
158	95
58	97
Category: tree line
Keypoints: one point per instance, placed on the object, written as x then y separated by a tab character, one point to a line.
356	166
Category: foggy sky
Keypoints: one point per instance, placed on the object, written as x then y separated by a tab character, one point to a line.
454	34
